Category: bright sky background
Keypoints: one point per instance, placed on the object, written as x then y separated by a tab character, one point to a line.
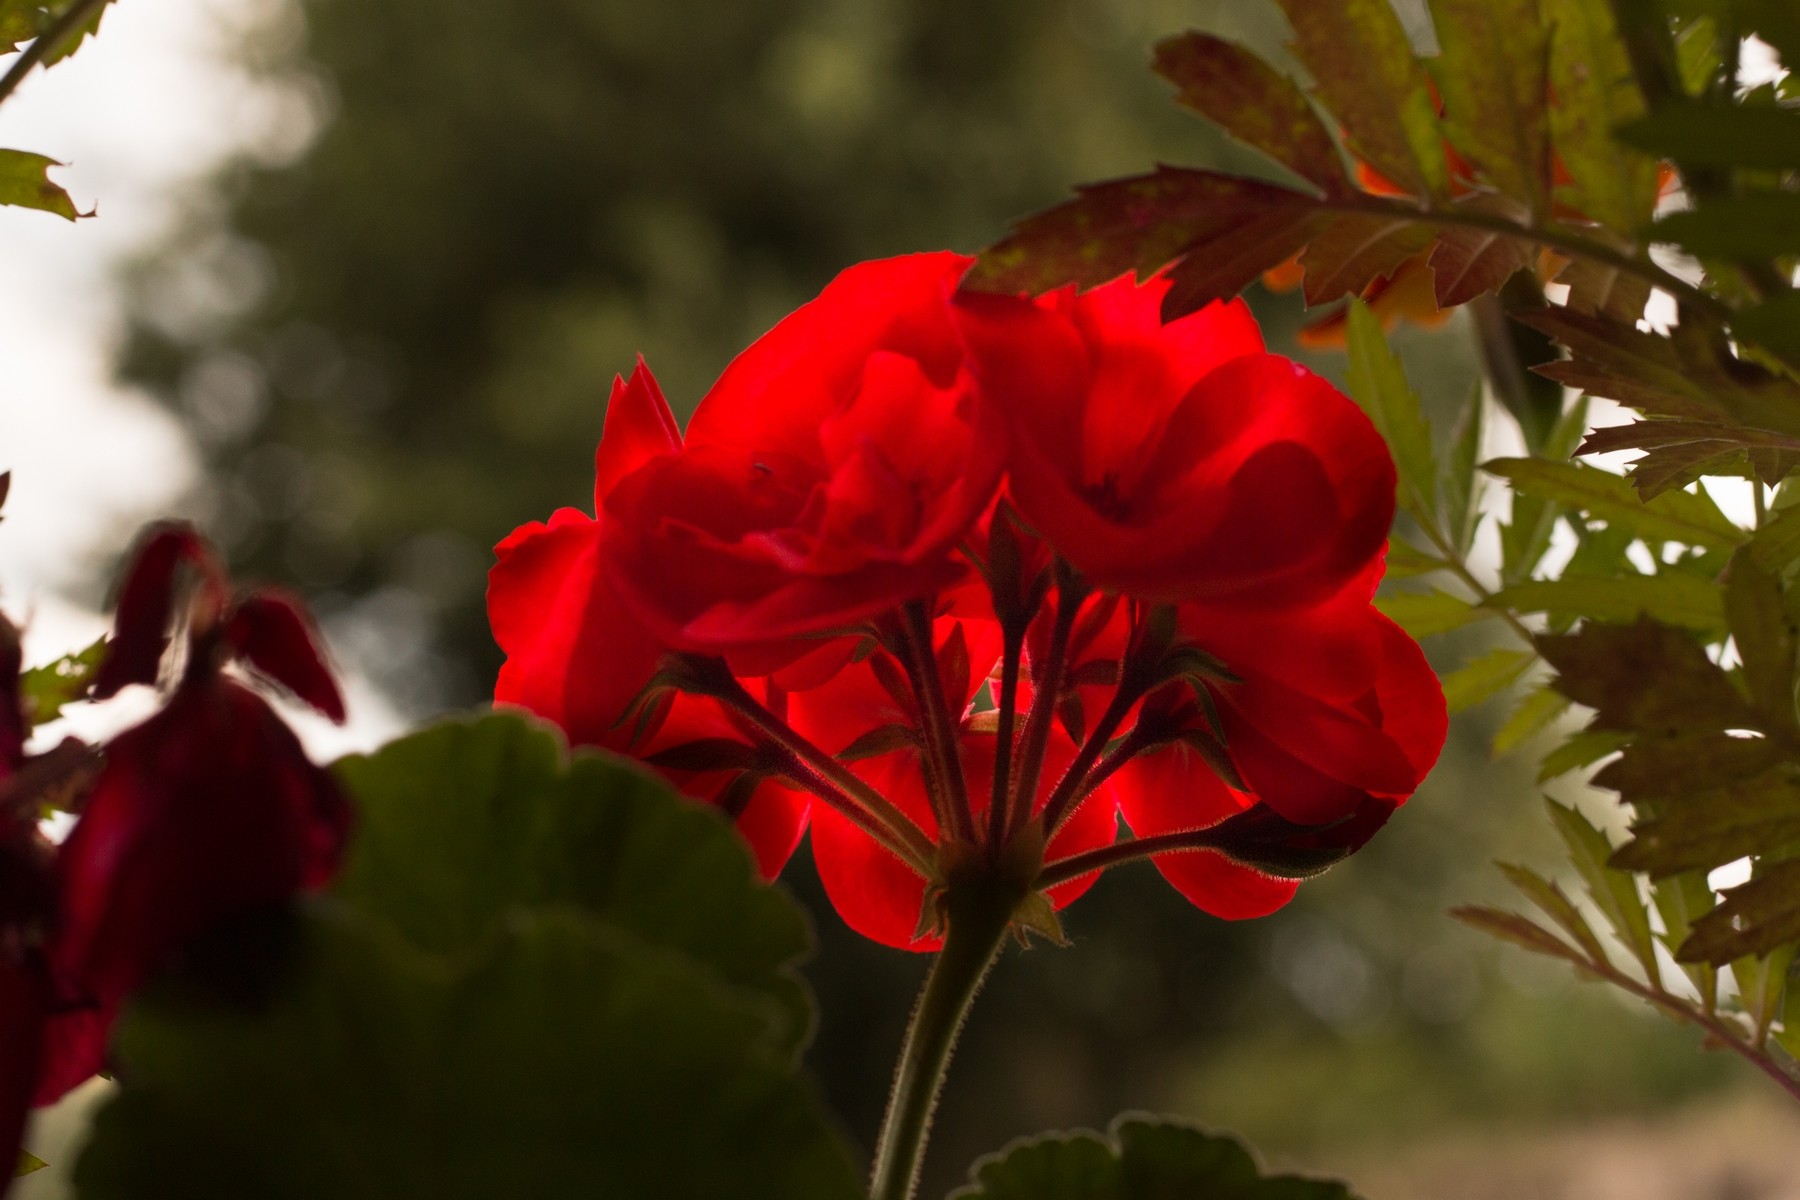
143	110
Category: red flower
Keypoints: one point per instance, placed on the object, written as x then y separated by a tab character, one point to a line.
1179	462
826	477
1168	614
208	807
577	657
1333	720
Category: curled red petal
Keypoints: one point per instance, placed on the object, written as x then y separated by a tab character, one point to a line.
271	632
146	604
639	427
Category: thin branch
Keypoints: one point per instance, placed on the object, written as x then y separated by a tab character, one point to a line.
1046	690
1129	850
943	755
51	39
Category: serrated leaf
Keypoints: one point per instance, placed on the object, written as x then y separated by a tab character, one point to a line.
1492	71
1460	488
1137	1159
1679	452
1405	560
1776	543
1673	597
1232	259
1764	634
1484	678
46	689
1355	250
1467	262
25	183
1682	900
28	1162
1751	919
1556	905
1645	677
1754	225
1424	614
1520	931
1378	382
1580	749
1694	132
1664	766
1598	289
1364	70
1590	76
1704	830
464	824
1689	374
1253	102
1761	981
1615	892
1691	518
558	1057
1140	224
1533	714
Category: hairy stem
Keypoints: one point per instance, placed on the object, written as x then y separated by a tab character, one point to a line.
903	837
943	754
1129	850
978	912
1046	689
1011	647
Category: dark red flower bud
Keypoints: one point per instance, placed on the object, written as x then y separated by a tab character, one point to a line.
271	632
146	605
207	808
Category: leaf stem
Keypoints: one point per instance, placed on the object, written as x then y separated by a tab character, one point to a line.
978	911
72	18
950	791
1069	789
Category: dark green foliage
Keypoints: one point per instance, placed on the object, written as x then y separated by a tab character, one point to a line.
47	688
536	977
1139	1158
25	181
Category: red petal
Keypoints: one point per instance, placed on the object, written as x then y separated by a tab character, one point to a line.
1173	789
272	632
639	427
146	604
24	1007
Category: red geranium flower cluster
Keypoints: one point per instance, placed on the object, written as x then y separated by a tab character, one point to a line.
962	580
207	809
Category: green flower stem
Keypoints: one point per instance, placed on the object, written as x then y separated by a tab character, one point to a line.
907	840
1070	789
1012	645
1047	686
943	755
1129	850
978	910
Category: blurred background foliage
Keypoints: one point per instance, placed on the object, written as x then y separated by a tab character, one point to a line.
393	345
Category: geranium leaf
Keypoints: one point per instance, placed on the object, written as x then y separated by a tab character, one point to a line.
1405	560
1534	713
1364	70
1581	748
25	182
1764	634
465	824
1136	1159
1492	71
1556	905
1590	75
1700	831
1461	487
46	689
1521	931
559	1056
1773	325
1255	103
